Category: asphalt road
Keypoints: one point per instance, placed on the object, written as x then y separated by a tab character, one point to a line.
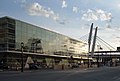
101	74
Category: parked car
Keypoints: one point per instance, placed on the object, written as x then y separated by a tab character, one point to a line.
34	66
3	66
75	66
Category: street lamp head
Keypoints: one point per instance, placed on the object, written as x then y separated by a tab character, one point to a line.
22	44
101	48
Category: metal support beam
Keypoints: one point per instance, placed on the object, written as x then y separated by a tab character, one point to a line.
89	43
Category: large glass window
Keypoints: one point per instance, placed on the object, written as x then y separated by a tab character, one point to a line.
37	39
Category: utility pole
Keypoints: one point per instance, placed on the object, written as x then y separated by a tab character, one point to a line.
22	63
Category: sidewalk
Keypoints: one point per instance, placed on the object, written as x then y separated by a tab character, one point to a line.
51	70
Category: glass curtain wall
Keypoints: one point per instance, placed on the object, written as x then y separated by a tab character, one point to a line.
39	40
35	39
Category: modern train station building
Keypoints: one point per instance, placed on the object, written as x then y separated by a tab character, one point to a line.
21	40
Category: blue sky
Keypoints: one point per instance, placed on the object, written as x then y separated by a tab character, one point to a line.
69	17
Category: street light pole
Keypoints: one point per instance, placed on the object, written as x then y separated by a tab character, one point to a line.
88	60
22	65
98	47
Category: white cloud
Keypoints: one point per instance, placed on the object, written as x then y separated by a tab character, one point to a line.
75	9
98	14
103	15
118	5
64	4
90	15
110	28
36	9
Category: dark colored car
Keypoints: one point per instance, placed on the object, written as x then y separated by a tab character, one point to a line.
33	66
75	66
3	66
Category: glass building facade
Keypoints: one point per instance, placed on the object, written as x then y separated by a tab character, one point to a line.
36	40
7	34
